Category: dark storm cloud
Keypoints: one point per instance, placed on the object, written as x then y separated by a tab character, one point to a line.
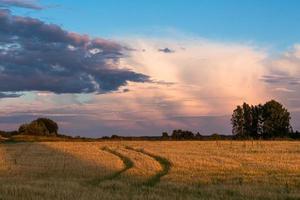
35	56
166	50
20	3
9	95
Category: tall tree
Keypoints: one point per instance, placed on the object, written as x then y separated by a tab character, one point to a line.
276	120
247	114
237	121
256	126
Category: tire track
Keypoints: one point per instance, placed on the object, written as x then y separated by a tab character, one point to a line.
128	164
164	163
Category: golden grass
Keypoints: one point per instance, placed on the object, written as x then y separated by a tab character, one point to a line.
199	170
144	166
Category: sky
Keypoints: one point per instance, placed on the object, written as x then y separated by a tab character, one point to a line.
142	67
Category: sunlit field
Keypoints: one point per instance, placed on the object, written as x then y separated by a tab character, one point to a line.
150	170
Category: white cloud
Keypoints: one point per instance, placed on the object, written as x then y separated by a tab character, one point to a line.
214	77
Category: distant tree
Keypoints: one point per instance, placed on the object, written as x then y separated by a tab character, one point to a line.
187	135
180	134
41	126
276	120
247	120
296	135
8	133
50	124
35	128
215	136
23	128
198	136
257	121
237	121
176	134
165	135
115	137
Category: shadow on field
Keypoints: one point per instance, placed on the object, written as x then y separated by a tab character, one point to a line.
43	161
61	161
82	170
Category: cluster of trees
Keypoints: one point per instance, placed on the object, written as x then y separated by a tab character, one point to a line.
181	135
267	121
271	120
41	127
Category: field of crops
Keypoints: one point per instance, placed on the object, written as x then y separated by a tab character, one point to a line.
150	170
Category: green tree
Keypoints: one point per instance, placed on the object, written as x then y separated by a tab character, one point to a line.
276	120
23	128
198	136
181	134
256	126
247	122
41	126
50	125
176	134
36	128
267	121
237	121
165	135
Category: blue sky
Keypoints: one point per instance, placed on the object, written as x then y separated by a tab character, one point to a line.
144	66
273	23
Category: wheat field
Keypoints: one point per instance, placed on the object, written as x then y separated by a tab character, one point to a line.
150	170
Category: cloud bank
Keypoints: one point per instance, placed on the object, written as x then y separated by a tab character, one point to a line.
35	56
9	95
210	77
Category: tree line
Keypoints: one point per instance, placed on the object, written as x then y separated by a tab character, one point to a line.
179	134
267	121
